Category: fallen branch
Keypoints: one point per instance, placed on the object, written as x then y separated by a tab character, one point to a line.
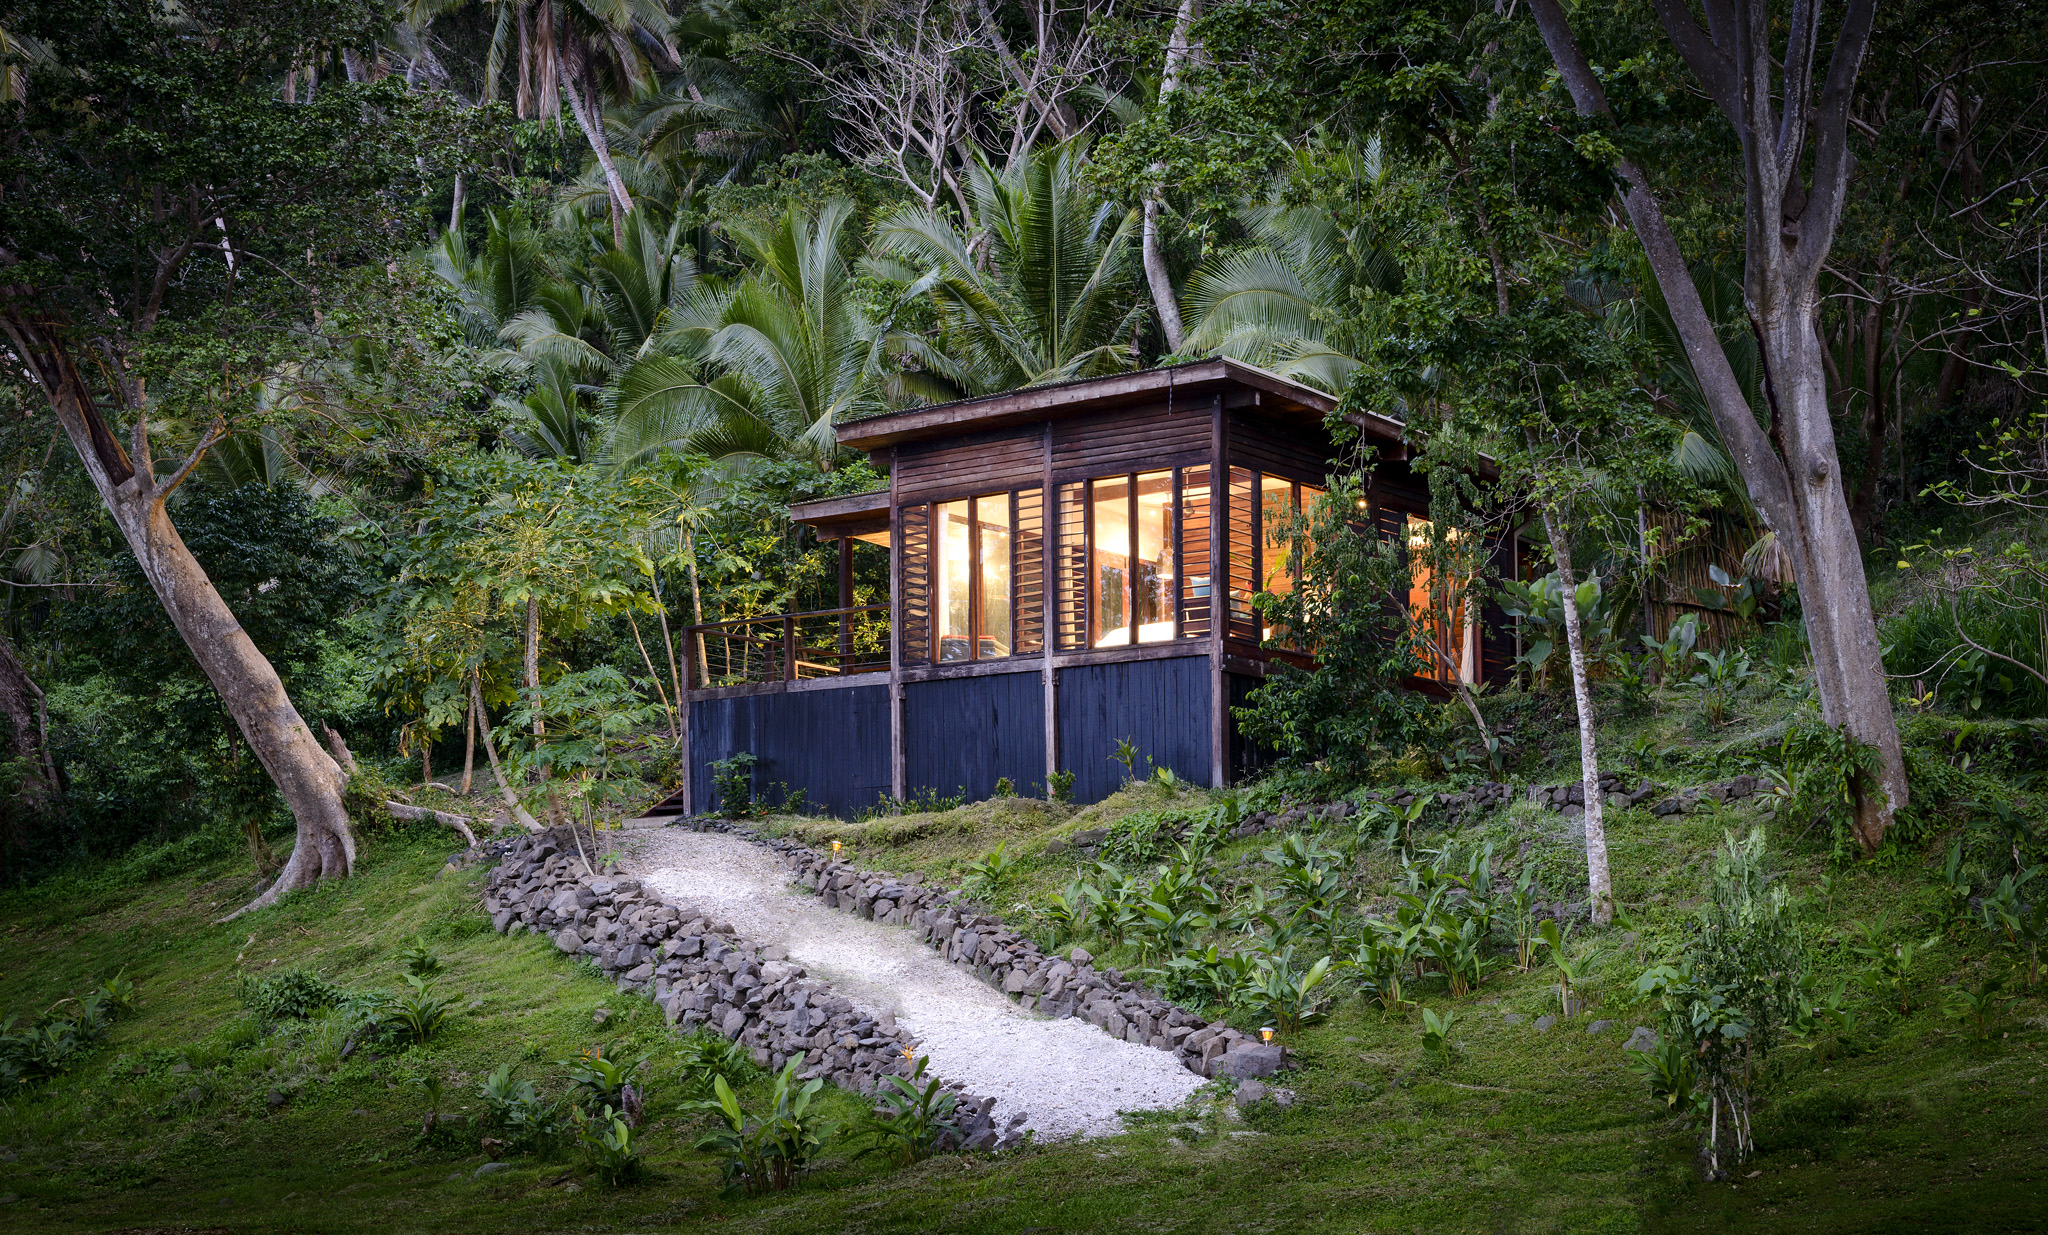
400	810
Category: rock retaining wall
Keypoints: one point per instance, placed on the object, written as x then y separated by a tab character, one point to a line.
702	973
1005	959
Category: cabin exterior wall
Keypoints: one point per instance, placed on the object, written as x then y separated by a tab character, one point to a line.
829	743
964	734
1162	706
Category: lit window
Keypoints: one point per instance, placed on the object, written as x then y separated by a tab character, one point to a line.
953	581
971	579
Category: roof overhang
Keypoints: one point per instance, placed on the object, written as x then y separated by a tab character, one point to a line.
1268	393
859	515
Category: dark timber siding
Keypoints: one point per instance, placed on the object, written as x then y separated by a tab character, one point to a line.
832	745
1247	758
970	464
1131	440
964	733
1161	705
1298	453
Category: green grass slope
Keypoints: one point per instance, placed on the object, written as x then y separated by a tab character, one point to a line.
193	1115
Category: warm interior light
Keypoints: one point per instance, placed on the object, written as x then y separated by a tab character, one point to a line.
1266	1034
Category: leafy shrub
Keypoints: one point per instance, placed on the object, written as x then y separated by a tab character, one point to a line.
1059	786
610	1146
768	1152
910	1121
50	1044
601	1083
293	994
708	1056
414	1015
515	1114
419	960
1351	709
732	783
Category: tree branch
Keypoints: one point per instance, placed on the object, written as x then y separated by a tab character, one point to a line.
1708	62
213	436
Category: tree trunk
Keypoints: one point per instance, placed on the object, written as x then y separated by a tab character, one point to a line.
590	118
469	749
1599	890
26	714
483	720
249	688
532	661
1160	283
1157	278
1792	471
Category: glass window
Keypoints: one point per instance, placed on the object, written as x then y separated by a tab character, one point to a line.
1109	562
1194	552
1437	606
953	582
992	530
1153	578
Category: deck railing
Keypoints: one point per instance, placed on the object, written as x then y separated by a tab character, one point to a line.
791	647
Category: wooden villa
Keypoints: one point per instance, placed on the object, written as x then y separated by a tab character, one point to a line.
1056	555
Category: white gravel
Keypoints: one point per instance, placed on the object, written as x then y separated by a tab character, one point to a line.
1070	1077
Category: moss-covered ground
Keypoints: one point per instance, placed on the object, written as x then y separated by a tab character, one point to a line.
195	1116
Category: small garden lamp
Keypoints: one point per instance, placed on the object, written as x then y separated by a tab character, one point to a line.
1266	1035
835	849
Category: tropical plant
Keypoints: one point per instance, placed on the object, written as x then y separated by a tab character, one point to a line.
1041	288
987	873
1281	304
705	1056
767	1152
1436	1034
1675	650
414	1014
417	959
1721	677
515	1114
1669	1069
1890	968
598	1082
911	1119
1570	969
1977	1007
1540	606
1284	992
610	1146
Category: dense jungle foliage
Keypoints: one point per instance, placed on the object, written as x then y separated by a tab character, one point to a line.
478	350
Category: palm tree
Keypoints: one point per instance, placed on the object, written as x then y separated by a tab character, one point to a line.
793	351
493	286
582	51
1281	303
1040	291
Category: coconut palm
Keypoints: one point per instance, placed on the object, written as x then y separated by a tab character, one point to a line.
1282	303
582	52
791	348
1041	290
493	286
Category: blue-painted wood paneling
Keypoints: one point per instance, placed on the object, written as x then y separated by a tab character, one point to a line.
833	745
1163	706
961	734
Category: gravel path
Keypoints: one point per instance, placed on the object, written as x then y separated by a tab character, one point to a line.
1069	1076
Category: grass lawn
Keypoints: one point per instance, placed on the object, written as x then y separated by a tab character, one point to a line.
196	1116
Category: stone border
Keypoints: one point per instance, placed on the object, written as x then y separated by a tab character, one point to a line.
1008	961
701	972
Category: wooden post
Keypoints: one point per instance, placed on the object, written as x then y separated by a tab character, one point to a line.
897	785
1048	590
845	600
1219	595
689	746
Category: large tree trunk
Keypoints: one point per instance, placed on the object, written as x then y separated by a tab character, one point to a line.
1157	280
590	118
1792	471
1599	890
26	714
248	687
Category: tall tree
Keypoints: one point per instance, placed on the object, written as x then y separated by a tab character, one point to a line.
167	214
1792	129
